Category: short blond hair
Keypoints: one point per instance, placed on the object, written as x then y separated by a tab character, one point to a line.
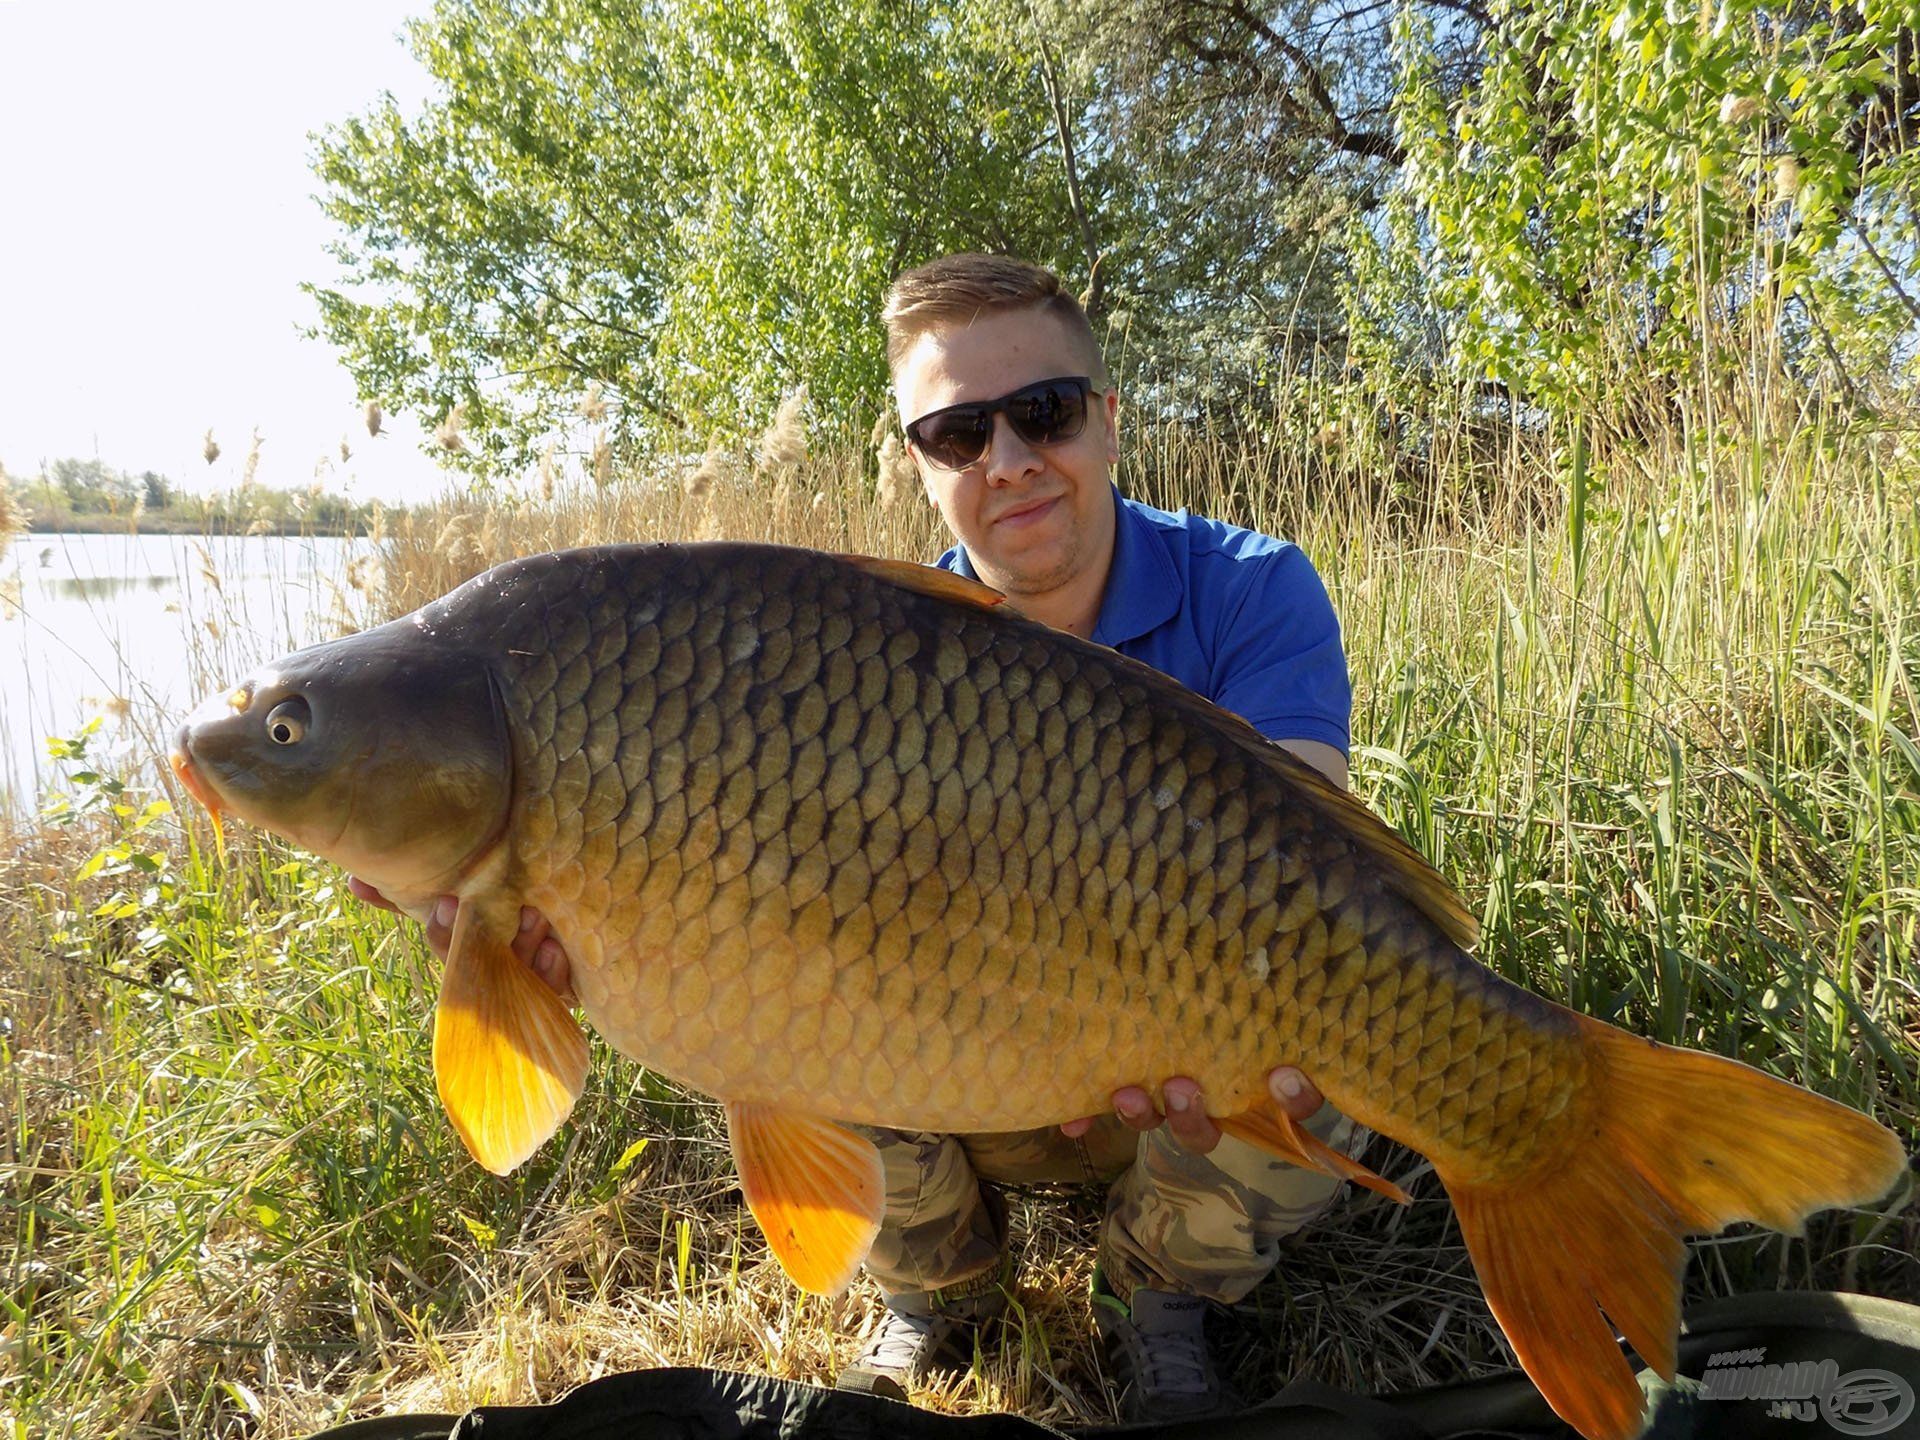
962	287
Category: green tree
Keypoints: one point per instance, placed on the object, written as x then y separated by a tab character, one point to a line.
92	486
693	205
1260	136
1643	191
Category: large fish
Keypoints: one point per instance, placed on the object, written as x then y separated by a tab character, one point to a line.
849	840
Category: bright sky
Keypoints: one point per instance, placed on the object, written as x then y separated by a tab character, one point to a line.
156	221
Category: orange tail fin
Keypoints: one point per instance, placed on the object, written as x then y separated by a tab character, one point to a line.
1671	1143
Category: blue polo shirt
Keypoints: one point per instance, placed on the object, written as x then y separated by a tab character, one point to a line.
1232	614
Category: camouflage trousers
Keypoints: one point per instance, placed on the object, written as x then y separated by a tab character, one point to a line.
1197	1224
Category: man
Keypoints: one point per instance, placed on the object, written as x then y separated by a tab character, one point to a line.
1013	425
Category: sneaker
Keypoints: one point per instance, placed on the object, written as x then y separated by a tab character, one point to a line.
920	1336
1157	1346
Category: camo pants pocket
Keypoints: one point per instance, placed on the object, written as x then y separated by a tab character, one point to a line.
943	1231
1211	1224
1205	1224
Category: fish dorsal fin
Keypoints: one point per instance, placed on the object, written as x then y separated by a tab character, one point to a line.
816	1188
1407	869
1265	1126
930	580
508	1058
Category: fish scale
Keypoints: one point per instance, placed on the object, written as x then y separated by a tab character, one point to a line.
949	865
846	840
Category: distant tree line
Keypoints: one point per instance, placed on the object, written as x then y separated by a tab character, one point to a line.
74	494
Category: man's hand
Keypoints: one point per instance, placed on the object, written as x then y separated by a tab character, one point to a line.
535	944
1187	1114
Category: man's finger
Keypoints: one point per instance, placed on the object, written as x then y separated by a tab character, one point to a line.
360	890
1134	1106
1074	1129
440	924
550	963
1187	1116
533	929
1296	1094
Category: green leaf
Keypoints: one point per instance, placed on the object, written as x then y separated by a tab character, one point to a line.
632	1153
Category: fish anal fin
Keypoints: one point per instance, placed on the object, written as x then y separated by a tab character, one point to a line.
508	1057
816	1188
930	580
1268	1127
1661	1143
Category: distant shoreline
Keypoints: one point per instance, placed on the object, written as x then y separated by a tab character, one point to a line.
211	524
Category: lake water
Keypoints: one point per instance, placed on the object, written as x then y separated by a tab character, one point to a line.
136	629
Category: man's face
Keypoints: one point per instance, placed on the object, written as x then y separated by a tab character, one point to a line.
1032	517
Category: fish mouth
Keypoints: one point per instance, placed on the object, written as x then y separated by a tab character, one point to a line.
195	784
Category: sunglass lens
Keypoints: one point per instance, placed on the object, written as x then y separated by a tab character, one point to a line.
1051	411
956	438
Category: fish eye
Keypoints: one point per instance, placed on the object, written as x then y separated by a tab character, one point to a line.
287	721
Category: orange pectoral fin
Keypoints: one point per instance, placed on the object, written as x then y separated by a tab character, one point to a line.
815	1187
1267	1126
508	1059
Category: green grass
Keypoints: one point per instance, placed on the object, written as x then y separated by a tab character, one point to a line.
1653	711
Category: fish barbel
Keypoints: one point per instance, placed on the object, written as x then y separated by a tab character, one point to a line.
844	840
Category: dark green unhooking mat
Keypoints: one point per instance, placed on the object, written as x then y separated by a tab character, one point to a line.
1785	1366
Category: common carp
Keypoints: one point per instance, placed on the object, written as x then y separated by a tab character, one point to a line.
848	840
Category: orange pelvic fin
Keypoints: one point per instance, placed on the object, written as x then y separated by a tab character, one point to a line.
816	1188
1268	1127
1664	1144
508	1058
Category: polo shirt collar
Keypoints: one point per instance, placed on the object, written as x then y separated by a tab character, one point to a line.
1143	587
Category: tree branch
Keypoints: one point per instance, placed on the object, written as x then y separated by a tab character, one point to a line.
1050	81
1331	125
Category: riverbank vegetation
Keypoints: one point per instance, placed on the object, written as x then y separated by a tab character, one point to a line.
73	496
1653	710
1574	343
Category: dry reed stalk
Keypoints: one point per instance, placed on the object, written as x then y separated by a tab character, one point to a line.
782	452
252	465
447	434
898	478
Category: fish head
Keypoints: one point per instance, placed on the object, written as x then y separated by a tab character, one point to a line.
384	752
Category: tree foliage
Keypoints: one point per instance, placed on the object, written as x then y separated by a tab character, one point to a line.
695	204
690	208
1654	190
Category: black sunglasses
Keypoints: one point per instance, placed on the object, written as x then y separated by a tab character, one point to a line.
1043	413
